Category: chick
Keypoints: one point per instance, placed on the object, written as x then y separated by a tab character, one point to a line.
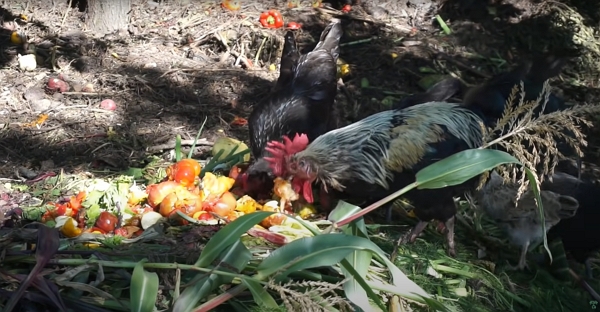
521	220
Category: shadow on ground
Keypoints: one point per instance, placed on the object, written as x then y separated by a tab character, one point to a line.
157	104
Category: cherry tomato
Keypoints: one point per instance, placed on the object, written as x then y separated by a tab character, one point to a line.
294	25
184	172
347	8
107	221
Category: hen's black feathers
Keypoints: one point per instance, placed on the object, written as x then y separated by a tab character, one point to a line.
302	102
305	93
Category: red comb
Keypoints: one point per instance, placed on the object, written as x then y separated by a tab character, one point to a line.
299	143
281	150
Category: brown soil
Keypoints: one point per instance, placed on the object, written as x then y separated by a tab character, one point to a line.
172	69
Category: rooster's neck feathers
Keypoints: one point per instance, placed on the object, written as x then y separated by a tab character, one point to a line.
390	141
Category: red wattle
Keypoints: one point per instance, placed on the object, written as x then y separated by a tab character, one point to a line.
307	192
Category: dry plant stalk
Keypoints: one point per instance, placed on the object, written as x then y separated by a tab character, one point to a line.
533	140
311	296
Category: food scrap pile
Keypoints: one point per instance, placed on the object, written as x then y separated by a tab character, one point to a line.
124	208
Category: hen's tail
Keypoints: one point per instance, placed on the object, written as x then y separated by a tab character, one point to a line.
316	72
330	38
289	59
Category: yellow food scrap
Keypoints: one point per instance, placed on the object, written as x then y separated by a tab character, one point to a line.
213	185
92	245
136	195
394	55
272	67
344	70
17	38
70	228
307	211
247	204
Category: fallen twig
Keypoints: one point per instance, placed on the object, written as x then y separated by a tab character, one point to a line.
171	145
239	56
84	93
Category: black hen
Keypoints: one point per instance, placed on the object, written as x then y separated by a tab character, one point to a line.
303	102
580	234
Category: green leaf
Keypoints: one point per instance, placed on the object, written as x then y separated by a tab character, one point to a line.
311	252
235	257
191	153
342	211
178	148
229	235
361	301
461	167
144	289
536	191
261	296
136	173
443	24
357	265
364	83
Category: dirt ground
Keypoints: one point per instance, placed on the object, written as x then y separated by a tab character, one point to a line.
183	61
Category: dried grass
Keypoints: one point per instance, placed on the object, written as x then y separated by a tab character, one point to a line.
532	139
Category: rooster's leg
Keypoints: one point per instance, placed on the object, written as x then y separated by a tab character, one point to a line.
414	233
450	236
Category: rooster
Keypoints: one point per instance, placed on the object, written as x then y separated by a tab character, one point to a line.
302	102
580	233
521	219
380	154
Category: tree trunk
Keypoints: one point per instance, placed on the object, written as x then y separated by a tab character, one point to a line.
107	16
